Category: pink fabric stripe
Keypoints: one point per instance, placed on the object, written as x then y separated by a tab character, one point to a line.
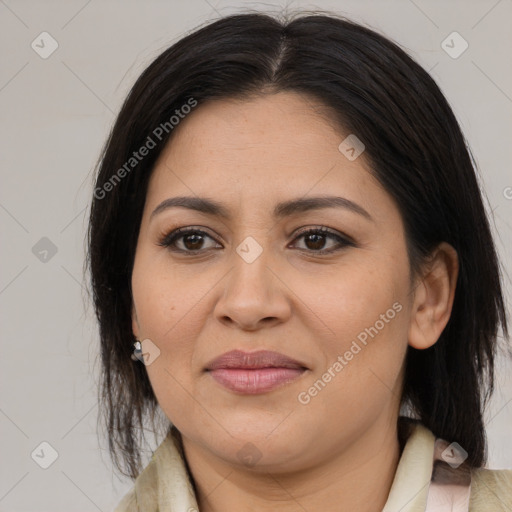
450	486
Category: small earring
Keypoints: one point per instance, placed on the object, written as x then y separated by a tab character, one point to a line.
137	352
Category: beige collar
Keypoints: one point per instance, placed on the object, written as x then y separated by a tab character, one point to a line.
410	486
165	483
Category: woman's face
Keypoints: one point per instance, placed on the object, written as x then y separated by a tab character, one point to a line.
252	281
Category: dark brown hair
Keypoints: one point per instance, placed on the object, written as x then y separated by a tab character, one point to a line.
414	147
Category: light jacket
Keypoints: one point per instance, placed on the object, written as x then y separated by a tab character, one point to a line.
425	481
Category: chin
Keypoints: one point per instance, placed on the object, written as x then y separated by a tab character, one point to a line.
259	444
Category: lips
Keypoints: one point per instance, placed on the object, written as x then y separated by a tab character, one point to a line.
254	372
253	360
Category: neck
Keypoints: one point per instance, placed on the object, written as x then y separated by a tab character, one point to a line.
359	478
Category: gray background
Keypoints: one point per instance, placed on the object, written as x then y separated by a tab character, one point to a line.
56	113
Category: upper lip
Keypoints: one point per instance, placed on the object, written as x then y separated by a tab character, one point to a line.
253	360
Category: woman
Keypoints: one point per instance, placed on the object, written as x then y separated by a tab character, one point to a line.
291	259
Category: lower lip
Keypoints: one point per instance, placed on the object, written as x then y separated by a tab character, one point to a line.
253	382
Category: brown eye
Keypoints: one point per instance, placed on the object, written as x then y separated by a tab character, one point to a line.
315	240
189	240
192	240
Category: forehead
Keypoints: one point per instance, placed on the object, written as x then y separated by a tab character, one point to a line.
267	147
284	124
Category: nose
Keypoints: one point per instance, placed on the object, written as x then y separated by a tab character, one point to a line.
253	296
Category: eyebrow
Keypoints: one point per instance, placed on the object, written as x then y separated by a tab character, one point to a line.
281	210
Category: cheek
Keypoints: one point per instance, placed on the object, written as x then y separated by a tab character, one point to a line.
366	311
171	307
359	300
158	310
164	298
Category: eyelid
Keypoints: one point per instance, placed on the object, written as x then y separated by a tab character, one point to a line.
325	231
168	238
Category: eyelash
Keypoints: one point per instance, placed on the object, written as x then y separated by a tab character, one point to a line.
170	239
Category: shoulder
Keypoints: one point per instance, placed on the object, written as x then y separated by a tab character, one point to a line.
163	483
491	490
128	503
143	496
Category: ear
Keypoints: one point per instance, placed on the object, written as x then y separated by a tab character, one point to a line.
433	297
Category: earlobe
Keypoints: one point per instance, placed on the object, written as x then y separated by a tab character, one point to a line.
433	297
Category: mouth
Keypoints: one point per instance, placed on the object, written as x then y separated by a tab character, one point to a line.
254	372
